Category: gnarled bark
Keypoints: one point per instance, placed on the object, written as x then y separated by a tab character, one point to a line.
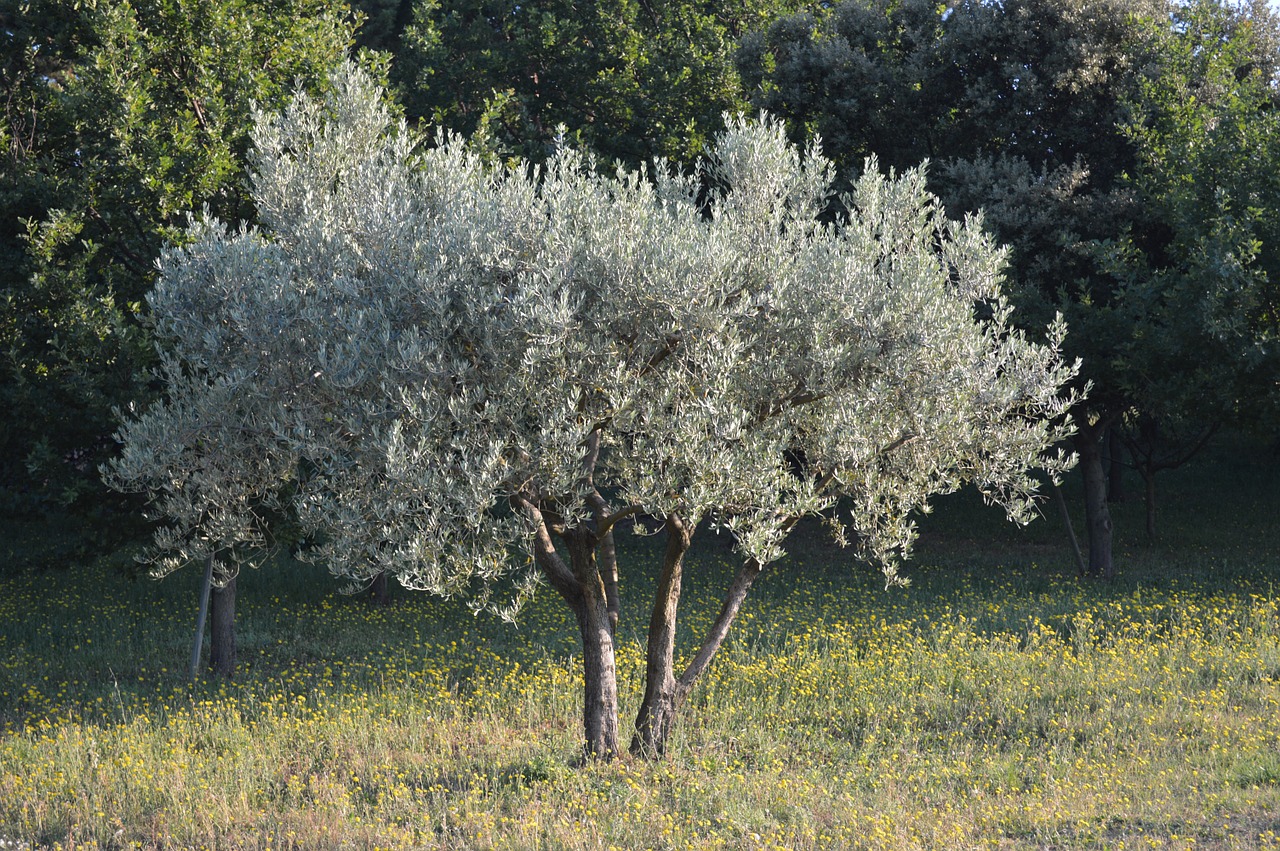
599	670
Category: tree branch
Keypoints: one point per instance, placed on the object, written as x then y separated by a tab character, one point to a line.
672	343
608	554
557	572
604	525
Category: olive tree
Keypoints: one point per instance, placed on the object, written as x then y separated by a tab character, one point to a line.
466	375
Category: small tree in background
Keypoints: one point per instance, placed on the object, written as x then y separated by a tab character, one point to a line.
1202	262
482	370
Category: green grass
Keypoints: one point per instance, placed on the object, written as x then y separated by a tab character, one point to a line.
996	702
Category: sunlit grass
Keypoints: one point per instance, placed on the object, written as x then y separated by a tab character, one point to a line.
994	703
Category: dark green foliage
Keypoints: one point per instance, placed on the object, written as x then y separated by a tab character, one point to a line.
632	79
383	23
121	118
1203	259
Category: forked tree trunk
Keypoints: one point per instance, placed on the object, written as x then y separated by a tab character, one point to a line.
664	695
608	558
654	742
661	690
1097	514
222	628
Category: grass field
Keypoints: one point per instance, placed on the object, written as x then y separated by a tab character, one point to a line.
996	702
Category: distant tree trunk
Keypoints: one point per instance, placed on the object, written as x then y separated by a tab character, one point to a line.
1097	514
222	622
1178	448
1115	467
662	694
379	590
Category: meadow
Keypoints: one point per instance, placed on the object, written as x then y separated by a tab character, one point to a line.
996	702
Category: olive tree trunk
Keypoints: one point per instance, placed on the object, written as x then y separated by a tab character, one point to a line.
662	694
599	678
657	714
599	670
582	586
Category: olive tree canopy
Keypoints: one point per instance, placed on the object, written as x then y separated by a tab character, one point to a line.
441	365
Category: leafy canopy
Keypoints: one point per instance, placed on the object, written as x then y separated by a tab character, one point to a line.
443	358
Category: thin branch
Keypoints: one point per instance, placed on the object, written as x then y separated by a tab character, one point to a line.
1179	460
1081	570
899	443
719	628
799	396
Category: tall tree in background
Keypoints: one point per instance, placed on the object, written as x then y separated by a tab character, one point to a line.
1032	111
120	118
1204	258
634	79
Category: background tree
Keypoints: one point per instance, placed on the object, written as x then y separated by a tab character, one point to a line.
1031	111
634	79
1202	259
120	118
474	362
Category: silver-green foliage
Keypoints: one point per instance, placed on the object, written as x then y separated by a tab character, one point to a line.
458	355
